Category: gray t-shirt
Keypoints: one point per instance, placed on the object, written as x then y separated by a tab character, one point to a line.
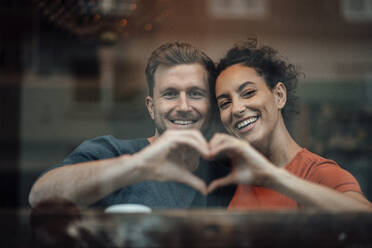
156	195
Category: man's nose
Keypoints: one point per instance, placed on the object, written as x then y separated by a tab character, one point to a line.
183	102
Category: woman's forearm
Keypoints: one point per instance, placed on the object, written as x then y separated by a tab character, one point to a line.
312	195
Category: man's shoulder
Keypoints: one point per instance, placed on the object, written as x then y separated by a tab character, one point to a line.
110	144
104	147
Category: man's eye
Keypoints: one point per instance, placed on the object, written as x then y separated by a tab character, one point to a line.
196	94
170	94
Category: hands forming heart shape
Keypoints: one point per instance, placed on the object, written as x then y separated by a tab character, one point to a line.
176	154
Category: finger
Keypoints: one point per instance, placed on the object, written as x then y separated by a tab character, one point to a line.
195	141
218	137
215	142
194	145
197	135
194	182
228	145
172	139
229	179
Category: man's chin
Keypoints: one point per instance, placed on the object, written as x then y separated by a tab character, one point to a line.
184	127
197	125
193	125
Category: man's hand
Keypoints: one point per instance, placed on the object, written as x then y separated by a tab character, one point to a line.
248	165
173	157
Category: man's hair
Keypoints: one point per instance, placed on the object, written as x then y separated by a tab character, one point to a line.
176	53
269	65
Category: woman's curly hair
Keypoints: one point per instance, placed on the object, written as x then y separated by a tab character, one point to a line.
269	65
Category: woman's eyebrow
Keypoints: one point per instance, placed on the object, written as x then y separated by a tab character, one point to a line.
240	88
245	84
222	96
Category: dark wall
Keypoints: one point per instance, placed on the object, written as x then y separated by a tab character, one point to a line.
14	26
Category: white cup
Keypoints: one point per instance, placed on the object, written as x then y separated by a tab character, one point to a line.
127	208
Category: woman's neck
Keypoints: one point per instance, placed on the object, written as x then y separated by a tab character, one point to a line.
282	148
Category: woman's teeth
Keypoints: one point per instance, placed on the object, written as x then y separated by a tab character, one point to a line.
245	123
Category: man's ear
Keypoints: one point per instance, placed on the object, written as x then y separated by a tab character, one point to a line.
280	94
149	105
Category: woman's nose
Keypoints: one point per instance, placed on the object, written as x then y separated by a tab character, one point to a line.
238	108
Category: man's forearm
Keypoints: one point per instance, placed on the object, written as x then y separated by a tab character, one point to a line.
311	195
86	183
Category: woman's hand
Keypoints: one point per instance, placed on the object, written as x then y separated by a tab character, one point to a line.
249	166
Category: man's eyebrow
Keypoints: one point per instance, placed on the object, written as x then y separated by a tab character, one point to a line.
198	88
167	89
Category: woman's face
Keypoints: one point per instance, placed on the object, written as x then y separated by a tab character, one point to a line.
248	108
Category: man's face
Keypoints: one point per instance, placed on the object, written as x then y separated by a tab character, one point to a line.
181	98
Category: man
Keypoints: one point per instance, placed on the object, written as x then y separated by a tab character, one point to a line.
163	171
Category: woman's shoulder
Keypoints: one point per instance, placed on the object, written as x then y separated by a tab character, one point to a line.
305	163
308	157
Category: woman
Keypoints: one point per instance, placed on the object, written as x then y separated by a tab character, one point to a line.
254	89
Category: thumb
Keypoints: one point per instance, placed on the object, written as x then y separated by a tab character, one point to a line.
229	179
194	182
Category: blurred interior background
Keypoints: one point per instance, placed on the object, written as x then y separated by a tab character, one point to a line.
74	69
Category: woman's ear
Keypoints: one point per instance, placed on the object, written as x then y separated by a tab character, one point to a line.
149	105
280	94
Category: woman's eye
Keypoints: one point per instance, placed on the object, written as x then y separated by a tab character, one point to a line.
248	93
223	105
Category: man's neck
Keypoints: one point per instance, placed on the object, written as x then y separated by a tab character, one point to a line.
151	139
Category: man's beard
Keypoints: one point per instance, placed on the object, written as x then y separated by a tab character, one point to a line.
161	127
204	129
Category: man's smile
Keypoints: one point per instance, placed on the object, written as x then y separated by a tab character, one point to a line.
182	123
